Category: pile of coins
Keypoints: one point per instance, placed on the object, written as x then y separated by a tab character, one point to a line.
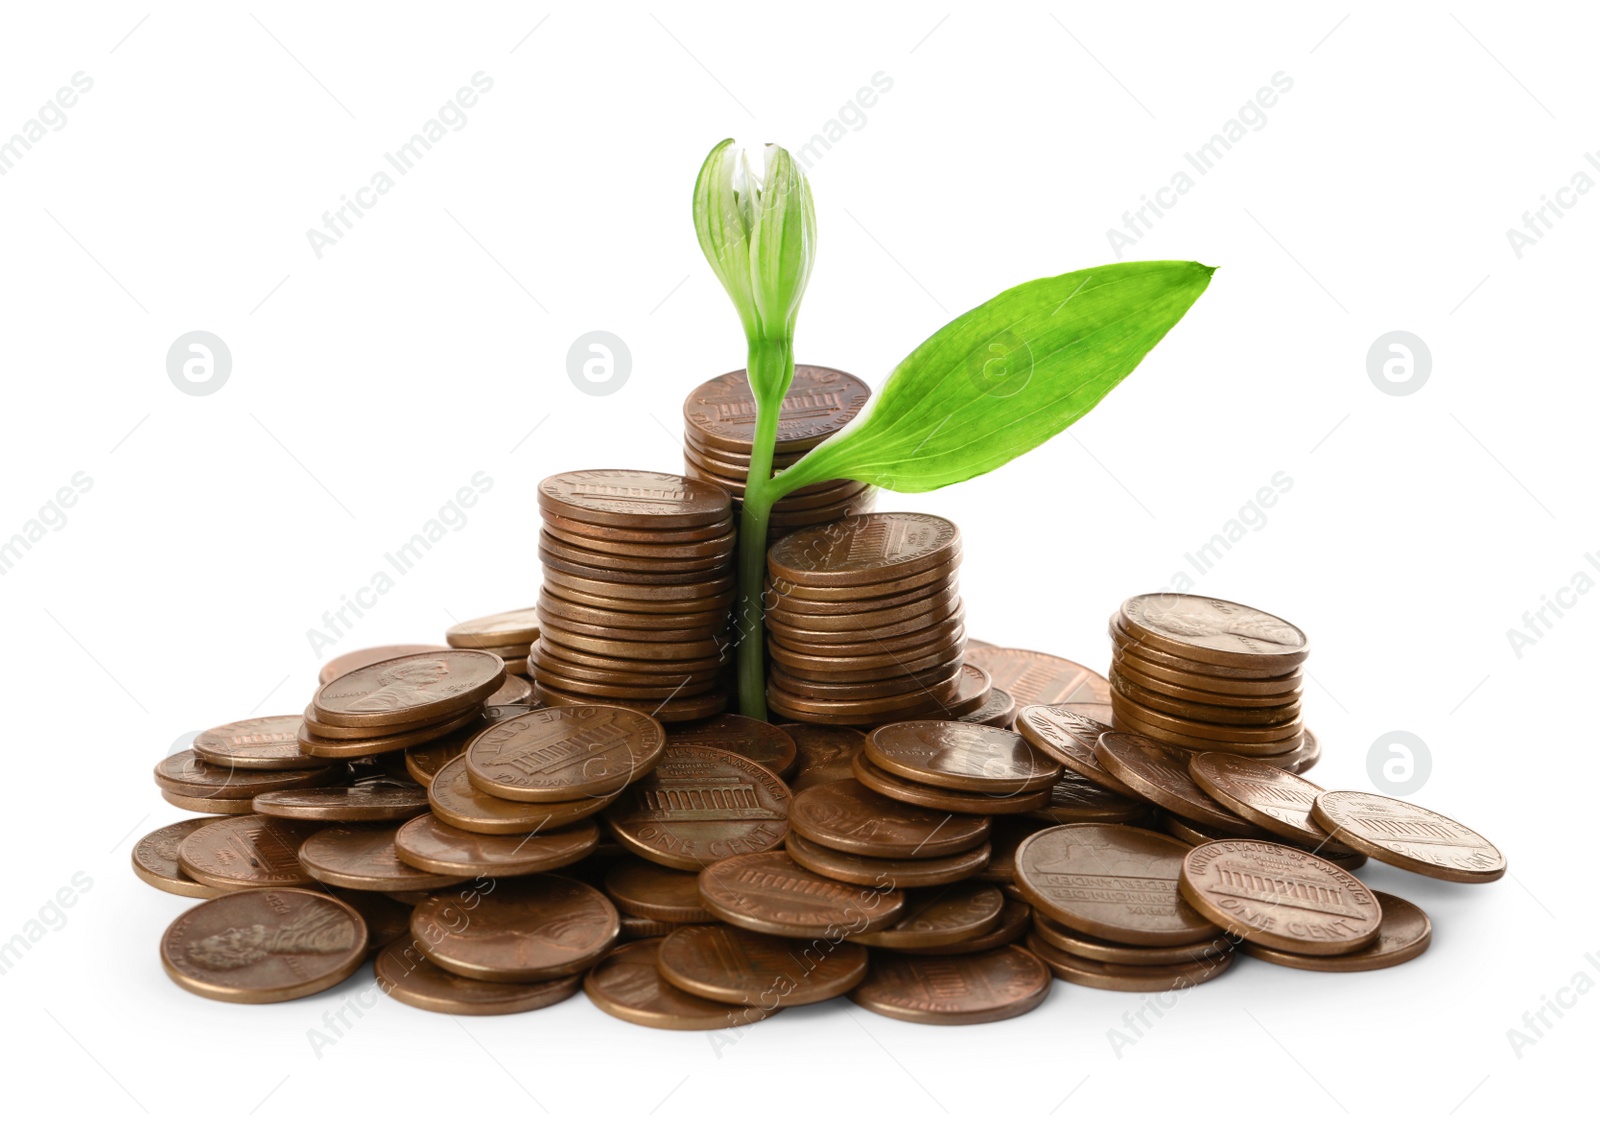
638	587
510	635
719	421
1207	674
865	623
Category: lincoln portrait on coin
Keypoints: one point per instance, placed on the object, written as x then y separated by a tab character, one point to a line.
404	684
318	928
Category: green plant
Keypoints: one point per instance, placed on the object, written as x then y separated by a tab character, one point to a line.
991	385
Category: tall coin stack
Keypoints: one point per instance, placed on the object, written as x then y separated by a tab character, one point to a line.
638	586
719	422
865	623
1207	675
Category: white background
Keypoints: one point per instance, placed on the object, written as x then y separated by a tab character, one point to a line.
370	384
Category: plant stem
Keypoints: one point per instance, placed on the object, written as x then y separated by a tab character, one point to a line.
770	368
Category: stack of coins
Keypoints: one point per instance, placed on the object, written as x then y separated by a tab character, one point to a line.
510	635
399	703
865	623
1207	675
638	586
719	420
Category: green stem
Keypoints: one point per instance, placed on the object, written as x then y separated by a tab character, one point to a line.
770	368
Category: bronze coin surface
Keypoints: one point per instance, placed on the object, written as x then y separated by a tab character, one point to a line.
1300	760
847	702
1218	631
634	928
615	643
564	753
638	599
621	535
430	844
1138	657
423	761
906	874
420	688
1160	773
961	756
842	594
1015	917
408	976
1077	799
996	708
355	660
455	801
627	984
514	691
326	748
264	946
1110	952
155	860
759	970
771	893
1136	683
672	707
246	852
363	858
714	573
819	401
822	753
765	744
255	743
387	919
634	499
684	552
671	568
592	618
1403	935
375	800
1035	678
1289	731
1280	896
207	805
848	816
501	629
781	600
656	892
1409	837
1268	797
700	804
1150	978
340	736
1117	883
844	622
1070	735
949	991
864	549
943	799
861	668
943	916
543	927
1203	713
185	774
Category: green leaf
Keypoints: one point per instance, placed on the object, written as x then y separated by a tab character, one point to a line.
1002	378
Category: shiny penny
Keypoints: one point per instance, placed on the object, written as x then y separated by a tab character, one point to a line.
943	916
656	892
564	753
1035	678
1077	799
256	743
502	629
819	401
1403	935
419	688
355	660
1160	773
1409	837
155	860
185	774
1093	948
736	966
698	805
1069	735
455	801
634	499
1148	978
943	799
375	800
906	874
848	816
978	988
628	985
766	745
1212	630
1268	797
863	549
538	928
428	843
408	976
771	893
363	858
1012	925
961	756
246	852
333	749
1280	896
208	806
822	753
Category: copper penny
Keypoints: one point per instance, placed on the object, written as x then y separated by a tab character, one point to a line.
819	401
408	976
943	916
355	660
686	553
620	643
1132	723
1077	799
332	749
996	708
1149	978
1216	631
635	928
906	874
208	806
556	609
564	753
1268	797
1160	773
671	568
656	892
848	816
766	745
1110	952
539	928
1139	657
736	966
1011	926
715	574
455	801
375	800
1202	713
387	920
1117	883
1300	760
185	774
621	535
864	549
155	860
1069	735
634	499
771	893
961	756
1136	683
428	843
424	761
823	753
1184	723
363	858
256	743
921	690
501	629
672	707
420	688
246	852
841	594
627	984
698	805
638	599
264	946
1035	678
1404	934
514	691
978	988
1280	896
1409	837
943	799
